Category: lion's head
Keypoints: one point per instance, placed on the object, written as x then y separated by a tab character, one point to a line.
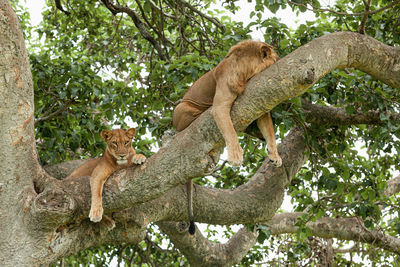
119	143
251	57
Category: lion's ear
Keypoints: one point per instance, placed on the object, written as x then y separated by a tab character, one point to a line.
265	51
106	135
131	132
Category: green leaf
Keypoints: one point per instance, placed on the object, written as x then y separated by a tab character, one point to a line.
350	110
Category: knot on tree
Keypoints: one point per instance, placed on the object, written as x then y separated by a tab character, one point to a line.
308	76
182	227
53	206
167	136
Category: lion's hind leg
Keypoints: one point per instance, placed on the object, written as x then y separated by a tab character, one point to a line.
184	114
266	127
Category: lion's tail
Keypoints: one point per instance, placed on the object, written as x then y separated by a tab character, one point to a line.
189	188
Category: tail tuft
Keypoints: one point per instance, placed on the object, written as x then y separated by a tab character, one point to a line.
192	228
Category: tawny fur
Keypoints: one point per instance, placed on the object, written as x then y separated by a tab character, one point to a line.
118	154
219	88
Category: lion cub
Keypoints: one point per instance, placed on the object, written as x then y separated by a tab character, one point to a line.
118	154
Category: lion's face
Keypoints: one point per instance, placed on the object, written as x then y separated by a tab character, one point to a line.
119	143
266	56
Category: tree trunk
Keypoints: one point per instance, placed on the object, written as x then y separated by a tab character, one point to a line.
18	157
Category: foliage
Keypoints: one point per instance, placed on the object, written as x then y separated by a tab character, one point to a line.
94	70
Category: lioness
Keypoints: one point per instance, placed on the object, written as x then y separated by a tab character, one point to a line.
218	89
118	154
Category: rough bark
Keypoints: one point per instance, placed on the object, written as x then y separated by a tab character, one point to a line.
43	218
393	186
18	158
329	115
206	253
340	228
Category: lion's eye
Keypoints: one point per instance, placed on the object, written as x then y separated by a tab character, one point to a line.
126	143
114	144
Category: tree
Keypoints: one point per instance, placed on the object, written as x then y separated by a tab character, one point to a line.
102	62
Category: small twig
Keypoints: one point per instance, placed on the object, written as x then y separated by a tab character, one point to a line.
52	115
139	25
315	9
59	6
159	9
354	248
146	20
361	28
213	20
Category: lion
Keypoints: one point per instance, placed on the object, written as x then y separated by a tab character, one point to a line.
117	155
218	89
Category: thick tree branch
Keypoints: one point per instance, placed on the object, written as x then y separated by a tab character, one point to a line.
330	115
340	228
253	202
393	186
201	252
264	191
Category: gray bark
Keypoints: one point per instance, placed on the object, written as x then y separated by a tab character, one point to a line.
18	158
43	219
206	253
340	228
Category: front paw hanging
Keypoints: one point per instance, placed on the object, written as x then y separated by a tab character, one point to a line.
96	213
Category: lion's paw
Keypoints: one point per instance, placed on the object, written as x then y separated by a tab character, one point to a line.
276	159
235	155
96	213
138	159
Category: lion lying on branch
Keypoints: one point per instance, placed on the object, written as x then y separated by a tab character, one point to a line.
118	154
218	89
